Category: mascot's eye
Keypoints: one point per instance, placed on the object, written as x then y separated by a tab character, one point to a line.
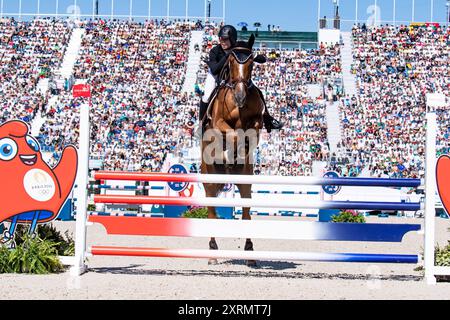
33	144
8	149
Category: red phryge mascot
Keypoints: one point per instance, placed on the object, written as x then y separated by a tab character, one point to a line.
30	191
443	181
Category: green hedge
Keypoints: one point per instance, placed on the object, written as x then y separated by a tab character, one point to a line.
350	216
196	213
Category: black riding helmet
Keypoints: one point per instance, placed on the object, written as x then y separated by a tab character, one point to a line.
229	32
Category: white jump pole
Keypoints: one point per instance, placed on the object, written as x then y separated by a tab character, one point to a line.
82	193
430	195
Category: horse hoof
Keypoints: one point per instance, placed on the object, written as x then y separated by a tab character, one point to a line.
251	263
213	245
212	262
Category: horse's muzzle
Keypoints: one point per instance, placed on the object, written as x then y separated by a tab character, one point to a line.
240	95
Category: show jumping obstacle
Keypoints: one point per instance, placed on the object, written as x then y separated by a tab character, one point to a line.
292	230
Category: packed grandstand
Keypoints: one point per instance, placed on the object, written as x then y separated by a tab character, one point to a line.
141	114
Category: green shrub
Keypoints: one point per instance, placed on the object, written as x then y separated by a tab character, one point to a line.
196	213
64	245
33	256
91	207
4	258
442	256
349	216
37	255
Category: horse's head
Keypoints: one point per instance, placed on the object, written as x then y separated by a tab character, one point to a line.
240	67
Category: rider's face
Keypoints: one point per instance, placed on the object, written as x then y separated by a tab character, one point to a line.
225	43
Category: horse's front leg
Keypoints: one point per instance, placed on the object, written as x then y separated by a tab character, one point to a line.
212	191
245	191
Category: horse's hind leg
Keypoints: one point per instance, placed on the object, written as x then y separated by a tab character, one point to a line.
246	192
211	191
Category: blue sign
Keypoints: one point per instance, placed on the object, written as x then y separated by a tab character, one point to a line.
178	186
331	190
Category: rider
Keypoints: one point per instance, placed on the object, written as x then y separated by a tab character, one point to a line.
217	58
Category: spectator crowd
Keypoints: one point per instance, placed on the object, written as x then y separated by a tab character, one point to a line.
140	114
384	124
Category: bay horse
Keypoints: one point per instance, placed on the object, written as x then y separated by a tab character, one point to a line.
235	116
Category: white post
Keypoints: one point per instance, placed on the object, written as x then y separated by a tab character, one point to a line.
112	9
168	9
223	10
149	10
376	11
205	10
430	197
318	13
81	193
20	10
432	8
412	14
394	14
57	7
187	8
93	9
131	9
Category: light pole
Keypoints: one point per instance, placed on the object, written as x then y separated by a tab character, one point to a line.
336	14
131	10
209	9
223	10
393	14
149	10
447	17
432	9
168	10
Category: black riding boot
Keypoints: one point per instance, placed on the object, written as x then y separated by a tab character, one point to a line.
270	123
203	109
202	119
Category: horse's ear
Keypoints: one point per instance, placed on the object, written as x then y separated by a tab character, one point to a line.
251	41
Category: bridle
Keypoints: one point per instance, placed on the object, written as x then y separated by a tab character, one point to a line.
232	84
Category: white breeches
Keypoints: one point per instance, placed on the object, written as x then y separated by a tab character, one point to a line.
210	85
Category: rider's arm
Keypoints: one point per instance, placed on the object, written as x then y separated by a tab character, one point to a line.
214	65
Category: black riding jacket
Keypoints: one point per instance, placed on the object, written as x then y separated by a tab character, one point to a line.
217	59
